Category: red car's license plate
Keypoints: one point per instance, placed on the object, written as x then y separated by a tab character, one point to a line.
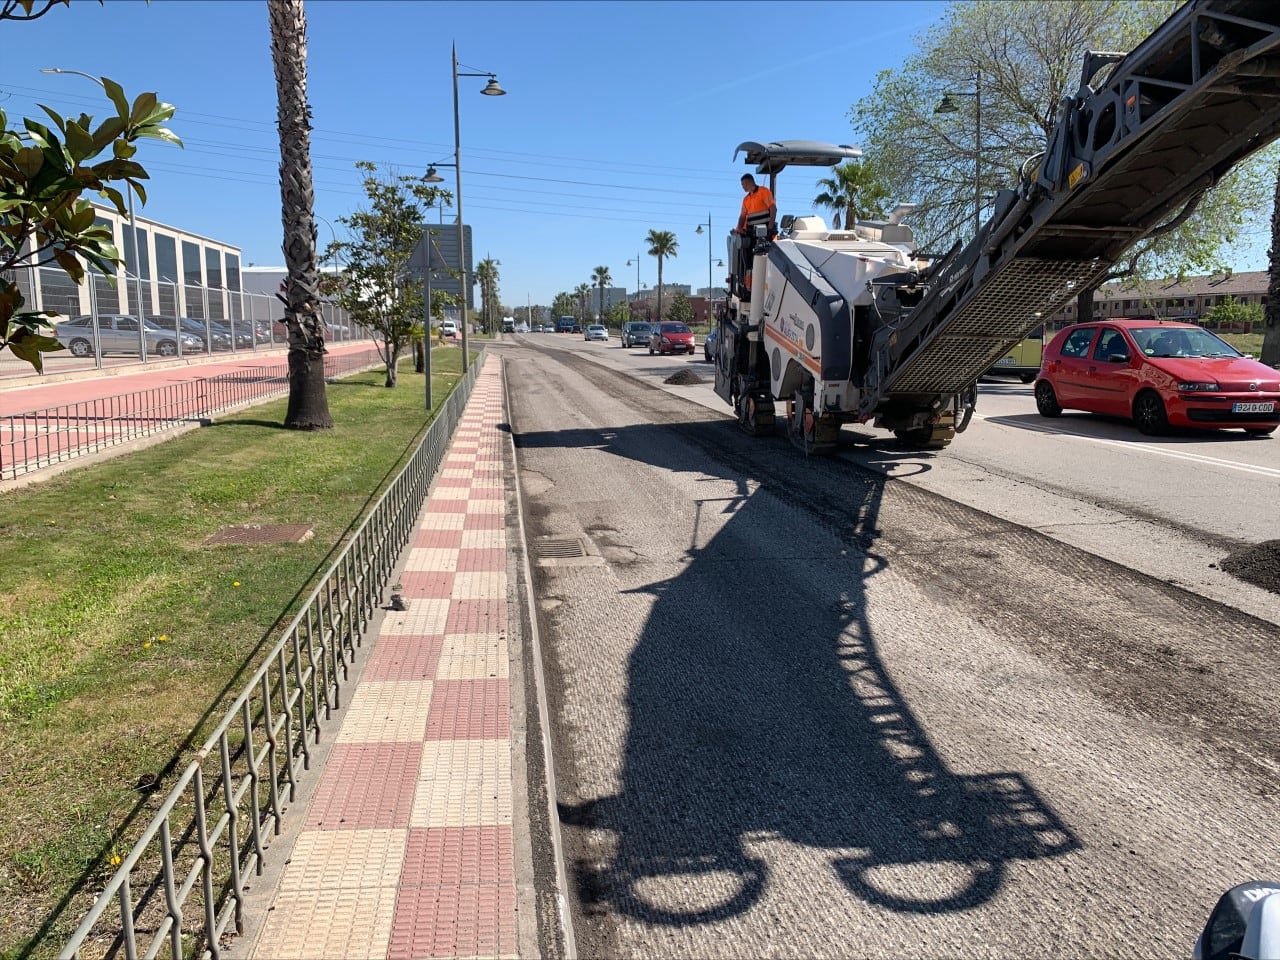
1268	407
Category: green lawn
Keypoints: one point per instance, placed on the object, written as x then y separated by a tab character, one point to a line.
1250	343
123	638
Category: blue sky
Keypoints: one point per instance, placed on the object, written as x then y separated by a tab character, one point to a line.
620	117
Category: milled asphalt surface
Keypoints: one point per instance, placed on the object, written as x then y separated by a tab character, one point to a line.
800	708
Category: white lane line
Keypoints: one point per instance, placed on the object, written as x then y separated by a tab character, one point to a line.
1155	449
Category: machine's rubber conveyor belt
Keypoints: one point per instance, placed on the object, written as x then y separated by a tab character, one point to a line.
1176	125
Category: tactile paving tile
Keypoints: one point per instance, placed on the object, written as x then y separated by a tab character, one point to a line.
485	493
485	506
352	924
480	585
443	521
458	855
454	473
440	559
446	506
451	493
495	539
426	585
463	481
387	711
476	920
484	521
408	657
476	616
480	559
366	785
477	657
438	539
424	616
341	859
463	783
469	710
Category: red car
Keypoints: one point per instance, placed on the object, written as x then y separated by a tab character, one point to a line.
1159	374
670	336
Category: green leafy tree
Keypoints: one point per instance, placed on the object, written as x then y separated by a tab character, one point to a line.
662	244
582	292
308	407
854	191
45	171
1271	324
620	314
681	309
377	286
564	305
600	277
1025	57
1234	315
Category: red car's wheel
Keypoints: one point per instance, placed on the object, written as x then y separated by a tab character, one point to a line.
1047	400
1149	414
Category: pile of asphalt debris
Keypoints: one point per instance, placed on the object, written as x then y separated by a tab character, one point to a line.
1258	564
684	378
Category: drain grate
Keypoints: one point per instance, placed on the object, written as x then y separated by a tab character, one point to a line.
561	549
251	534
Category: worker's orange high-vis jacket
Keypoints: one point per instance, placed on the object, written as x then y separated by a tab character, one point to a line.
755	206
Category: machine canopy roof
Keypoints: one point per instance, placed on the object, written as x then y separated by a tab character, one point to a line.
772	157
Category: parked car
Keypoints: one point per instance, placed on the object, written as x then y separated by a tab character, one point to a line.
1159	374
596	331
238	330
636	333
709	345
118	333
567	325
671	336
210	339
448	328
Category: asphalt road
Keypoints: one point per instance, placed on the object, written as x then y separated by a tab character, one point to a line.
837	708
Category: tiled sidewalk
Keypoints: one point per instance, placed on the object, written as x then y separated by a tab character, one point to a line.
407	846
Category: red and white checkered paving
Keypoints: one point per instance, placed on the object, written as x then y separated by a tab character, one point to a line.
407	847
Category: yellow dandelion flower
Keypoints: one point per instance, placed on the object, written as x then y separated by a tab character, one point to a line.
114	860
146	644
164	638
235	583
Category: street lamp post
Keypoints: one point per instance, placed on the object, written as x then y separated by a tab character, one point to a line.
637	263
699	230
133	231
491	89
947	105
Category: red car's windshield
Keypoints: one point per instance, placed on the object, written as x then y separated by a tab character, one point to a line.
1181	342
675	328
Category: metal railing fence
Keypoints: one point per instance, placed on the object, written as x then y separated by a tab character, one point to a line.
181	889
43	438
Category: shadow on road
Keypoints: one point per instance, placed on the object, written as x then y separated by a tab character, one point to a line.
760	709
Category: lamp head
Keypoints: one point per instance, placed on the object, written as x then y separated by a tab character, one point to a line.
946	105
699	230
492	89
432	176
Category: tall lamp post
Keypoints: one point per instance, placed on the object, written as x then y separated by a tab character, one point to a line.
492	89
699	230
637	263
133	231
947	105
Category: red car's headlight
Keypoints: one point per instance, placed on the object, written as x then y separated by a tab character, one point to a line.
1199	387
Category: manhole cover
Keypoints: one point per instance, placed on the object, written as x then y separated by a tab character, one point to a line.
559	549
249	534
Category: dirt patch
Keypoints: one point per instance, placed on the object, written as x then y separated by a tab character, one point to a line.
684	378
1258	564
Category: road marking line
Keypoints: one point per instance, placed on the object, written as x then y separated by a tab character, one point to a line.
1145	447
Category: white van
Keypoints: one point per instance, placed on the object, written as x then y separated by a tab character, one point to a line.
448	328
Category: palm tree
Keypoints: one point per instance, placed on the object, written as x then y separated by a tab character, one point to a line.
487	276
308	404
1270	353
600	275
582	291
662	244
856	191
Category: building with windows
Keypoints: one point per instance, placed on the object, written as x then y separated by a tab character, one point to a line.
1185	298
174	273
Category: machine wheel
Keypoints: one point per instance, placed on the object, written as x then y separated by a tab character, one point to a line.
81	348
1027	377
1047	400
920	437
167	348
1259	431
1149	414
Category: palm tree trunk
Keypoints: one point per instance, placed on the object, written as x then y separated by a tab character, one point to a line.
308	404
659	288
1270	352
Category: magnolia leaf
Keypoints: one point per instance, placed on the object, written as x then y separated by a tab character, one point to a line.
161	133
58	120
79	143
41	135
142	107
111	128
123	149
116	93
29	160
68	262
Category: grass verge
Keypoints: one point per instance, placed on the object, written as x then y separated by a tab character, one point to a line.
123	638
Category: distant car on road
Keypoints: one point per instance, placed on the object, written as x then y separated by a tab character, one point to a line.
566	325
448	328
671	336
596	331
635	333
1158	374
709	345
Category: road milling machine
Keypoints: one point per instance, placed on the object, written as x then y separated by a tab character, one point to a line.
826	327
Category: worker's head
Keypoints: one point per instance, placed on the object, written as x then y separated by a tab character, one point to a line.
748	182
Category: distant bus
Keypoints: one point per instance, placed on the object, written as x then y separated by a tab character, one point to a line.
1023	361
